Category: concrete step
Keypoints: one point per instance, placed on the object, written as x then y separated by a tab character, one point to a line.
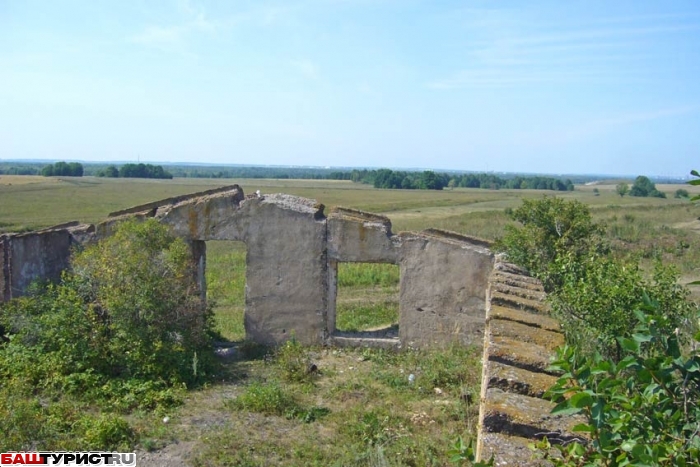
516	280
537	320
511	268
527	417
530	294
519	354
508	451
517	380
518	303
528	334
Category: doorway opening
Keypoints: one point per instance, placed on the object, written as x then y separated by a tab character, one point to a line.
226	281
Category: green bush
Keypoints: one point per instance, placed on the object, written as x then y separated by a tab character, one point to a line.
551	229
624	370
596	303
124	327
681	193
641	410
644	187
591	292
107	432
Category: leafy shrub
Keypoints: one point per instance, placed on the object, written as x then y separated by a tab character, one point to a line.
681	193
644	187
551	229
596	304
107	432
124	327
642	410
591	292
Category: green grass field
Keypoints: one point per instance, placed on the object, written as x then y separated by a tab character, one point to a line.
359	409
657	229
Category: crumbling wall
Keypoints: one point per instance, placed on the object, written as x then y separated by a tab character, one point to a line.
33	256
5	294
444	280
360	237
519	341
285	236
444	277
292	255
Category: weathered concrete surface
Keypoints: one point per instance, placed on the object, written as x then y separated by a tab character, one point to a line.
520	415
286	288
211	216
526	334
444	280
517	380
5	294
509	451
33	256
286	262
531	319
510	300
357	236
152	207
519	342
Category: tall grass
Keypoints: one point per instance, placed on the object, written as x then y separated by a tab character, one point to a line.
368	275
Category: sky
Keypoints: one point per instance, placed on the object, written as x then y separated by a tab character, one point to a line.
539	87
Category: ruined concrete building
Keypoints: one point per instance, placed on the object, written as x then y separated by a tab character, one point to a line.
451	288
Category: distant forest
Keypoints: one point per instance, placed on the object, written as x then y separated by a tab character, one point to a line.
429	180
380	178
135	171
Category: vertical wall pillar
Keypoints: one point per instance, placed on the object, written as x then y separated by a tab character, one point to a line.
5	278
199	263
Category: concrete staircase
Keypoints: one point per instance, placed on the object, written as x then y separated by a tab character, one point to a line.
520	340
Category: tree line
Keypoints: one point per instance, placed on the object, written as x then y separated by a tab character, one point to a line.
63	169
135	171
642	187
429	180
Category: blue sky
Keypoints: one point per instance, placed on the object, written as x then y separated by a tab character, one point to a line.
540	86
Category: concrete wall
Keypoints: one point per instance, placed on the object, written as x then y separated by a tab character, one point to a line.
444	280
292	254
356	236
285	236
34	256
5	294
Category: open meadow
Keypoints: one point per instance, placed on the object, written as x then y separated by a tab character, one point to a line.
359	408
